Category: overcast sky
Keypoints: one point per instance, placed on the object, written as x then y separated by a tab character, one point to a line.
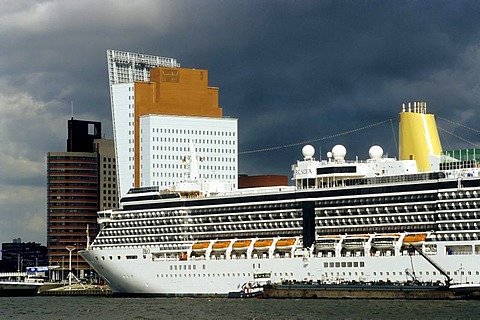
290	71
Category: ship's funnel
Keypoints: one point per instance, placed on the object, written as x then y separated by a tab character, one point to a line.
418	135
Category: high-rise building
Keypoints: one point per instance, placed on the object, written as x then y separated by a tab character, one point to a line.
125	68
157	113
72	205
77	181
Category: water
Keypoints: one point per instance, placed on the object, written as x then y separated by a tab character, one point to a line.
52	307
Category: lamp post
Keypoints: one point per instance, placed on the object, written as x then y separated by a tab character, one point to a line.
70	249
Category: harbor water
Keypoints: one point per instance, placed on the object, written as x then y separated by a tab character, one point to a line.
100	307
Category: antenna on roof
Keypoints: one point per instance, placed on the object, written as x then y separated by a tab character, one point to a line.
71	106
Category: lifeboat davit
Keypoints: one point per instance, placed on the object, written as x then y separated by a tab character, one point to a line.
241	245
200	246
220	246
285	244
263	244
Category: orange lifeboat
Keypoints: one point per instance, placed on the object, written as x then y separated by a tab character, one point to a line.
183	257
241	245
415	238
263	244
220	246
200	246
285	244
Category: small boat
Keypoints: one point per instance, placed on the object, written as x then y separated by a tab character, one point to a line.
200	246
385	241
253	289
327	243
220	246
355	242
263	244
415	238
15	284
241	245
466	289
285	244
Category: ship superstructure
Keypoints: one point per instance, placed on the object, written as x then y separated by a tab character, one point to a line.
340	221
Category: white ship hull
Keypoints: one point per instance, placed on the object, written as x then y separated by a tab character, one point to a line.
146	276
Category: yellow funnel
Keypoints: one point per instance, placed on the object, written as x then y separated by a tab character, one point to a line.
418	135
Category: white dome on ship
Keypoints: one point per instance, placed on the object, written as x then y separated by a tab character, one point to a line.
339	152
308	151
375	152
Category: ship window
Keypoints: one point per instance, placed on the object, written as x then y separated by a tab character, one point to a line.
344	264
325	264
171	267
118	257
110	257
349	264
204	267
355	264
135	257
337	264
374	273
362	264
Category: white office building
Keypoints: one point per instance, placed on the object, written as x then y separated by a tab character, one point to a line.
165	146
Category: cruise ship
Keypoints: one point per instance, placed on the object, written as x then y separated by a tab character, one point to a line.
382	219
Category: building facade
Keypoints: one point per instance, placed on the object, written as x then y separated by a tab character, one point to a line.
163	158
176	104
107	170
124	69
18	255
72	205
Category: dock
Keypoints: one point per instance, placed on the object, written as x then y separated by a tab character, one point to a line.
74	290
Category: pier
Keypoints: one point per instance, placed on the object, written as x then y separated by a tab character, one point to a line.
74	290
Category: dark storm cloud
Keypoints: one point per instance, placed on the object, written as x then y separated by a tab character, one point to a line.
290	71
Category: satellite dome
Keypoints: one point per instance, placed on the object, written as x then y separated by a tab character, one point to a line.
375	152
339	152
308	151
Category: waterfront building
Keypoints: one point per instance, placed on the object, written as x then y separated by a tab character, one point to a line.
156	117
80	182
72	205
18	255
